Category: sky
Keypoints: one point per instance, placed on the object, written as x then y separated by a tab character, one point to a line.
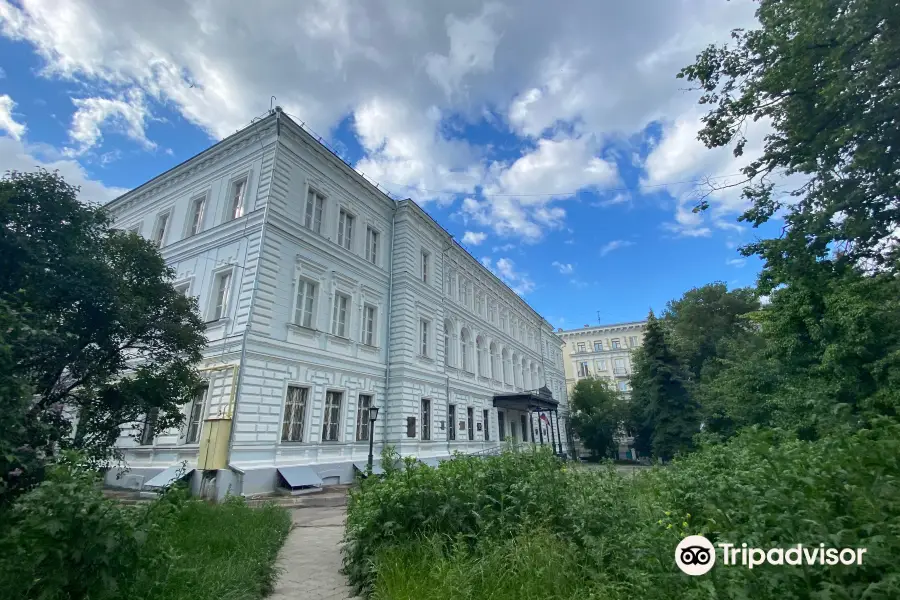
553	140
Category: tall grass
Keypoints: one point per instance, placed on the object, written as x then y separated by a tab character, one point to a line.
526	526
65	541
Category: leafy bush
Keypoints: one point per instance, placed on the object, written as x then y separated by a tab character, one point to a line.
455	531
64	540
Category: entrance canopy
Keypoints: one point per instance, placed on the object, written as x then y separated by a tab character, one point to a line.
530	400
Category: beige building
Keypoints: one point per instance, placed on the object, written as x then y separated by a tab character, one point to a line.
605	352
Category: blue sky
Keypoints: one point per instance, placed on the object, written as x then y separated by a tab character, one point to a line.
558	148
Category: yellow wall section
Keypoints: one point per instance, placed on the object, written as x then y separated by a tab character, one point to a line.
214	444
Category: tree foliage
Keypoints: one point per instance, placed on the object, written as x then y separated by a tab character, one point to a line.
95	335
598	413
826	76
665	417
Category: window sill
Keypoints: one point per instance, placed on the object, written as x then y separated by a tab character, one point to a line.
425	357
370	347
217	322
302	328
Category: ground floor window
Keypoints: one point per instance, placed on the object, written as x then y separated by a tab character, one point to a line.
332	420
362	418
487	428
451	420
195	416
426	419
470	416
501	426
294	414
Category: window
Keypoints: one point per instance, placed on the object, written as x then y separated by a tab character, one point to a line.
470	418
480	356
615	344
598	346
159	232
195	416
223	290
345	229
362	418
424	337
583	369
479	305
524	428
183	288
581	346
490	316
501	426
425	273
495	362
198	207
238	190
464	358
632	341
332	420
339	315
371	245
600	365
148	431
368	329
623	386
304	309
620	366
447	344
426	419
464	293
487	429
312	218
503	323
451	418
294	414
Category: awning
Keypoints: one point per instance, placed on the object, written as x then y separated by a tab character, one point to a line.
299	476
376	468
530	400
168	477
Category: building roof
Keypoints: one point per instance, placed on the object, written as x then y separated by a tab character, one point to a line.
597	328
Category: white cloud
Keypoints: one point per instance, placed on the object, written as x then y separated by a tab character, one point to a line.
8	123
620	198
15	155
125	115
474	238
569	81
614	245
503	248
579	284
504	268
563	268
736	262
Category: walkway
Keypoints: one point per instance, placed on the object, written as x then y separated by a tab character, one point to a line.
311	557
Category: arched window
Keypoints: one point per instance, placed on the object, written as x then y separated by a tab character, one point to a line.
495	362
465	358
481	360
507	370
447	345
526	376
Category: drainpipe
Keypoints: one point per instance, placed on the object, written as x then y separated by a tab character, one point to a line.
387	350
262	244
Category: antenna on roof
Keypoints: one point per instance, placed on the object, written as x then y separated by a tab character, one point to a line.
271	103
598	318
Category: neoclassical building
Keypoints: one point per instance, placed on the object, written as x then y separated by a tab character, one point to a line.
323	297
603	352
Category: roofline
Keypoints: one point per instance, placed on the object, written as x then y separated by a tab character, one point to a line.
580	329
167	172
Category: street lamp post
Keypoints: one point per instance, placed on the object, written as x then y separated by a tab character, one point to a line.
373	415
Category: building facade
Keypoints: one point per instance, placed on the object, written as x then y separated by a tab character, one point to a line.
324	297
603	352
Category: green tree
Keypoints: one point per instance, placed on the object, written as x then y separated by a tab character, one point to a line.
94	330
703	318
598	414
664	416
826	76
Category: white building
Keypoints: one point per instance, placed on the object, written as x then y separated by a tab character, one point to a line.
323	296
603	352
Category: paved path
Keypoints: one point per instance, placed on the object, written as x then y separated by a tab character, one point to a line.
311	557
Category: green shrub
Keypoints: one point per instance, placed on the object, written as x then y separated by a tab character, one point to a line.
64	540
614	536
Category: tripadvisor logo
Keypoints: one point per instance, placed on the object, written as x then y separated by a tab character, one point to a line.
696	555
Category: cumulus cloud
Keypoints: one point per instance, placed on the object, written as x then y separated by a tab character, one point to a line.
125	115
736	262
8	123
565	82
474	238
564	268
614	245
505	268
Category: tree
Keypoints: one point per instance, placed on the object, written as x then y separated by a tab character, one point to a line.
597	416
95	332
665	418
826	76
703	318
